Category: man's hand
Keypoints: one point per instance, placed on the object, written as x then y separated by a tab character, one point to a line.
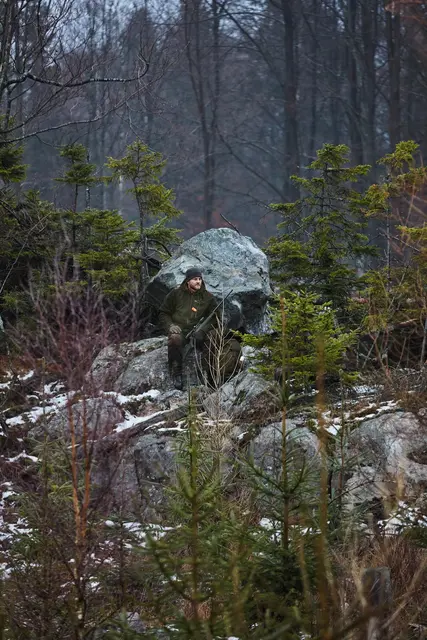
175	329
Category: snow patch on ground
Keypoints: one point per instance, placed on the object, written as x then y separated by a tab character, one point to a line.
333	425
52	388
10	529
55	402
36	413
27	376
132	421
23	456
151	394
141	531
383	407
29	416
52	398
365	390
403	517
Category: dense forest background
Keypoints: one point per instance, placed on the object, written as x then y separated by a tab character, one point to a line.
236	94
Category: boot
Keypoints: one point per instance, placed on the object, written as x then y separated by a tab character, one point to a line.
176	375
177	380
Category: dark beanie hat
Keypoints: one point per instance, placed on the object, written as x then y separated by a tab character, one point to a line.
193	272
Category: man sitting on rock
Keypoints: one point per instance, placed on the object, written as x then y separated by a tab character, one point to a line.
181	311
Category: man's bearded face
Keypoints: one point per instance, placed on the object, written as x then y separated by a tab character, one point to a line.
195	283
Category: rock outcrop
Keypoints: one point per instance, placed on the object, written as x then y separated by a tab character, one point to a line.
229	261
379	452
247	396
387	456
132	367
137	420
136	469
98	415
303	447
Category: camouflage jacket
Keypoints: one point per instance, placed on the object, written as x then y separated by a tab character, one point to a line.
186	309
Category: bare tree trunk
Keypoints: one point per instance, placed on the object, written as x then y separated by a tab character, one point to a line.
148	38
336	64
5	47
106	19
369	37
291	155
19	36
143	274
376	589
393	36
215	99
314	89
205	68
93	97
411	125
354	108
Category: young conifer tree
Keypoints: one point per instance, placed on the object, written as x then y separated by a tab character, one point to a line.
306	320
80	174
27	228
202	561
143	168
395	293
322	237
100	243
12	168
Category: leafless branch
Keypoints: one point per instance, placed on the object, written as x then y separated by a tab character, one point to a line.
231	224
81	83
70	123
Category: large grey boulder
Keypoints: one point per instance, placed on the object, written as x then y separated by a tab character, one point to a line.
137	470
136	461
366	485
146	371
303	447
395	443
246	397
132	367
134	623
155	465
98	415
386	455
228	262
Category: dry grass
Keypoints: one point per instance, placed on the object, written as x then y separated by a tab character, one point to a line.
204	611
408	570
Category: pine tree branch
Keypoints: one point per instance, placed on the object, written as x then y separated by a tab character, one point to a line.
161	244
24	245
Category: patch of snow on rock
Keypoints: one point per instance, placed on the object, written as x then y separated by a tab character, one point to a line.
23	455
132	421
403	517
151	394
